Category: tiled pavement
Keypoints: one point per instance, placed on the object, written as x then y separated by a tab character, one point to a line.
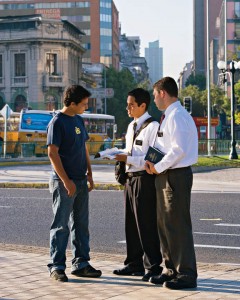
23	271
23	275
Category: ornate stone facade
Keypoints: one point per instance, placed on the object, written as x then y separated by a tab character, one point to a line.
39	57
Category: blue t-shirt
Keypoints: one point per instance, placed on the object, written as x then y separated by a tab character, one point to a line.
69	134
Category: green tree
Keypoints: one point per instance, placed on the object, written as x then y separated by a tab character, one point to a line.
199	80
200	100
122	82
198	108
218	99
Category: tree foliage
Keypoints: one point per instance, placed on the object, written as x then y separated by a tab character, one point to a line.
122	82
199	80
219	102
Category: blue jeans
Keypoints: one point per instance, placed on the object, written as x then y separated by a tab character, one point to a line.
73	209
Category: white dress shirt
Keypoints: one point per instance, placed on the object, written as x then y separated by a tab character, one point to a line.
177	138
135	161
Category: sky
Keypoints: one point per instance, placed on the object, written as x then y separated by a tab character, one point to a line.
169	21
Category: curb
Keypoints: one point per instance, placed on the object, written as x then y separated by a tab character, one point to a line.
98	186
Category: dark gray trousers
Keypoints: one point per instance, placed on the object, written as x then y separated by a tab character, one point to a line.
142	240
174	221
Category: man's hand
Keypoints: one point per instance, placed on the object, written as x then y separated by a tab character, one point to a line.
149	167
70	187
121	157
91	183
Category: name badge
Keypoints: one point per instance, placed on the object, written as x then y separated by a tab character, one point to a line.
160	134
138	142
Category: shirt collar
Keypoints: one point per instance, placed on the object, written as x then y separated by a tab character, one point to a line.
171	107
141	119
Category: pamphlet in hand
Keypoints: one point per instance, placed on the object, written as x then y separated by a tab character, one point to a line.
154	155
109	153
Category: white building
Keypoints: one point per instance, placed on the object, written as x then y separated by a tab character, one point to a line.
154	58
38	59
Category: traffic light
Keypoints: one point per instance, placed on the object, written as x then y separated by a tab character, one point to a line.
187	103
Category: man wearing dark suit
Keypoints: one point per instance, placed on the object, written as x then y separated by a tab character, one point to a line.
178	139
142	241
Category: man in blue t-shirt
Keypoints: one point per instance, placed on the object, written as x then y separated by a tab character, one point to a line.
71	170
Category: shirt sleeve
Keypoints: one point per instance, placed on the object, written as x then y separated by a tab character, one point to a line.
54	133
176	134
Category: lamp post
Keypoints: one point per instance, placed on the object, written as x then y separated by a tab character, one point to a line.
233	66
105	86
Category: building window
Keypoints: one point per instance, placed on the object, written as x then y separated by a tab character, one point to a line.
105	31
237	30
20	65
237	9
51	64
1	66
20	103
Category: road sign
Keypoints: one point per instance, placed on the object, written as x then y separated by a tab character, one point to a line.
6	111
102	93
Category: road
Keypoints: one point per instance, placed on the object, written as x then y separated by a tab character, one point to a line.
25	217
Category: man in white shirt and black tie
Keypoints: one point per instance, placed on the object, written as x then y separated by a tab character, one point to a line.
142	241
178	140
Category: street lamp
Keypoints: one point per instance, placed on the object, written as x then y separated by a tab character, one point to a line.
233	66
105	86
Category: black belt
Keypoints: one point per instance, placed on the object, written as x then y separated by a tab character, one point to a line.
135	174
175	169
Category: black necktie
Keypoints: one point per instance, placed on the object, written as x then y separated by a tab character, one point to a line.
134	133
134	126
162	118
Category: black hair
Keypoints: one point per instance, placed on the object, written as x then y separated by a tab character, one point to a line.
75	93
141	96
167	84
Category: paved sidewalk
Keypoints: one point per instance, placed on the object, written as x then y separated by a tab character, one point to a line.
24	275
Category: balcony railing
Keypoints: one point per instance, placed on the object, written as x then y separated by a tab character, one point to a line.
53	80
19	81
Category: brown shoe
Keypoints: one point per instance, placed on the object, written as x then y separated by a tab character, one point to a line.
59	275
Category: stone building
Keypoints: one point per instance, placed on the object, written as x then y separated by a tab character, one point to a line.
39	57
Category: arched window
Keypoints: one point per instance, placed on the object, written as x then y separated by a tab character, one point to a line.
51	103
20	103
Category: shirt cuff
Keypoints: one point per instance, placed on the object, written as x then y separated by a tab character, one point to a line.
130	160
158	168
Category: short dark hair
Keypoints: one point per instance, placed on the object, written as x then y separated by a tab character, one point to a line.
141	96
75	93
167	84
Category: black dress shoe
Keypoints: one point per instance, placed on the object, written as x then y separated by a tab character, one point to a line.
160	279
88	271
127	271
179	284
150	274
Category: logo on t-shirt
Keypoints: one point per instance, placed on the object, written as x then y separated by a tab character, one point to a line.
77	130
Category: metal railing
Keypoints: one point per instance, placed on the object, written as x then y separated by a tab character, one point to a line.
218	147
39	149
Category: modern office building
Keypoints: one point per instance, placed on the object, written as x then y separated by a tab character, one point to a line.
38	58
154	58
219	27
98	19
200	31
